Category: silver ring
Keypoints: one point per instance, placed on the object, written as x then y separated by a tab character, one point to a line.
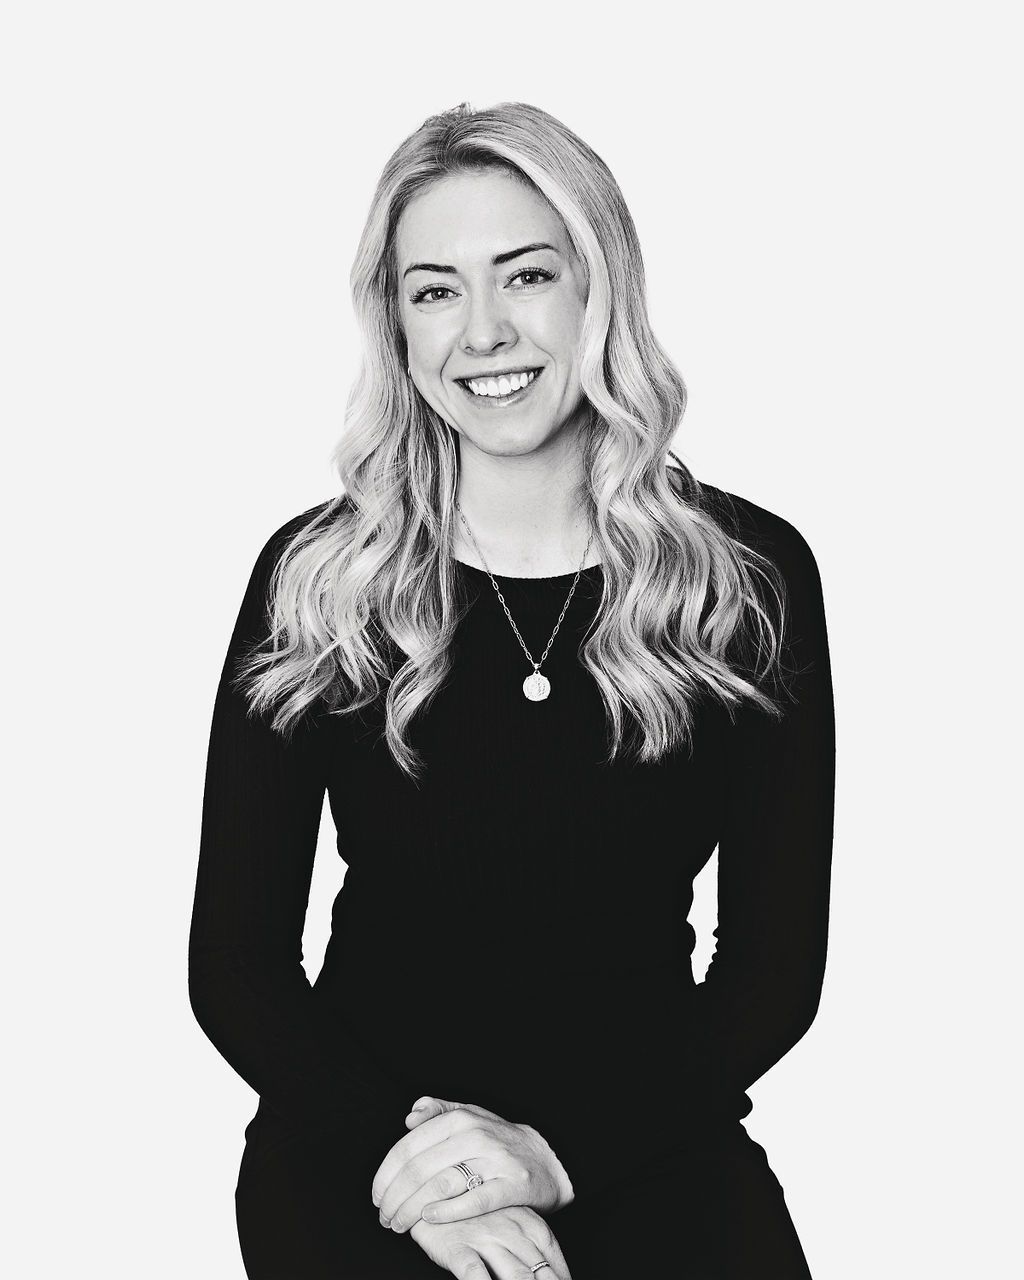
537	1265
472	1179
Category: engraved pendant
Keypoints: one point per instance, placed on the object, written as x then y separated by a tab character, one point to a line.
536	687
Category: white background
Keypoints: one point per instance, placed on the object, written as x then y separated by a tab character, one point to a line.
828	201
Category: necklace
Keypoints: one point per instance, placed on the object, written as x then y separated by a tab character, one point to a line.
536	686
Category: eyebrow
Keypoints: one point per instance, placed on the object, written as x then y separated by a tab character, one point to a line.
496	261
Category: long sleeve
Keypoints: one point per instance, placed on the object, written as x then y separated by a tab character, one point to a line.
762	989
261	813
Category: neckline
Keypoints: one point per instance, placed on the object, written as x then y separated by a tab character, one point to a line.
508	577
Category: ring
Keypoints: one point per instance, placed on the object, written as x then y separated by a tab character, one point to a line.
537	1265
472	1179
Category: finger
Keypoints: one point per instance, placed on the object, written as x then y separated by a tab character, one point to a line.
414	1185
425	1108
477	1110
468	1265
436	1106
435	1130
505	1264
495	1193
539	1243
445	1194
557	1268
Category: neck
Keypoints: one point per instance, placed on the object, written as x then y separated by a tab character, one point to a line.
524	510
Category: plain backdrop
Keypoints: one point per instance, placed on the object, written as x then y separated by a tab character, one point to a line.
828	198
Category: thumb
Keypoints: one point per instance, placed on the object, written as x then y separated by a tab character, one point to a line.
428	1106
424	1109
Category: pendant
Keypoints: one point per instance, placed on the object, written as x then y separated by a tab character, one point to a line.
536	687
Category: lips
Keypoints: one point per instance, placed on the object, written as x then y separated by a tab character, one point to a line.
494	381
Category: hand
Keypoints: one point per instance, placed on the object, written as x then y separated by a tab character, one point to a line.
506	1241
416	1177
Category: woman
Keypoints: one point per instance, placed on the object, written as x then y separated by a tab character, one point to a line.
541	675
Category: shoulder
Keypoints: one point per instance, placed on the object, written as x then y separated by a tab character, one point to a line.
304	523
766	532
315	517
255	611
257	596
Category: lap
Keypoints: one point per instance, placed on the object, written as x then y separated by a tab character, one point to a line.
302	1215
716	1214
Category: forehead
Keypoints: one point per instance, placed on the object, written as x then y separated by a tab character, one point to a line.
468	216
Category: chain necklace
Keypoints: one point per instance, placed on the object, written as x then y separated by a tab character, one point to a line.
536	687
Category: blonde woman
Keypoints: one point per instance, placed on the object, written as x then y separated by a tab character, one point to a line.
541	674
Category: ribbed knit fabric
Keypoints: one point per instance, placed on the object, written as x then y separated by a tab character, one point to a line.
512	930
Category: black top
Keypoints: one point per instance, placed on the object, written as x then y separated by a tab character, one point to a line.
512	931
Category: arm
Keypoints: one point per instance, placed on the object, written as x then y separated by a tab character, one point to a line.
248	990
762	989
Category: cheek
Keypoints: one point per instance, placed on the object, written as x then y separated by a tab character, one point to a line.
561	326
429	344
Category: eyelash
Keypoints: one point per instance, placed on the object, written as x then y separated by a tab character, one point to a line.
420	294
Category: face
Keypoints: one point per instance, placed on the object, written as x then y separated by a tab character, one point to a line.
492	304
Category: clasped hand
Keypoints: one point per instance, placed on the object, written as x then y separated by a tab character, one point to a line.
416	1179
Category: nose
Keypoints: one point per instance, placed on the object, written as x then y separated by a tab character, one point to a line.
488	328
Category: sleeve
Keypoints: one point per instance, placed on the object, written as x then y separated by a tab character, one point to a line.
248	990
763	986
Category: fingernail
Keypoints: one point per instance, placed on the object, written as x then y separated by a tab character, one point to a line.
420	1104
385	1222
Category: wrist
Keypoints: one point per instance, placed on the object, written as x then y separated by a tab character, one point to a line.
565	1194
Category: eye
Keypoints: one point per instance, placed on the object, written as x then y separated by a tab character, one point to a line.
421	294
531	277
531	271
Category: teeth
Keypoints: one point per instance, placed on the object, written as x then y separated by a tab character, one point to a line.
501	386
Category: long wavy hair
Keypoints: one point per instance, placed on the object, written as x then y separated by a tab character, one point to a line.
364	595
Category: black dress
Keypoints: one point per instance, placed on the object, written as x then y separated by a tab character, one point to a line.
513	932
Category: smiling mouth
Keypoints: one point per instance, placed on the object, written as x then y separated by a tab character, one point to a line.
507	389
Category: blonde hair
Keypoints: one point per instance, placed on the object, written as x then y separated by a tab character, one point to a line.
681	613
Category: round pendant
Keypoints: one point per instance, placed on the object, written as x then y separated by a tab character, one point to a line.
536	687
